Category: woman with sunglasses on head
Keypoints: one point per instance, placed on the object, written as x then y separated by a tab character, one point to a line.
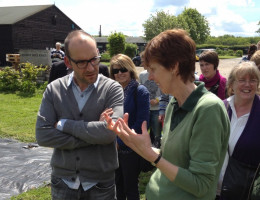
136	103
243	108
196	126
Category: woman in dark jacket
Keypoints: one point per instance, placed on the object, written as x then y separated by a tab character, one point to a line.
136	103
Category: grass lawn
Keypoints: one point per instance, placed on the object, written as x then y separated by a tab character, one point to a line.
18	116
227	57
106	63
44	193
17	121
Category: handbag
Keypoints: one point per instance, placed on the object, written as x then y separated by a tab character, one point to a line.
237	180
254	193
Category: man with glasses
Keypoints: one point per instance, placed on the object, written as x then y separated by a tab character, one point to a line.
71	121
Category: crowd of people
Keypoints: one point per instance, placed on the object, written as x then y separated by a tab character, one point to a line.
200	132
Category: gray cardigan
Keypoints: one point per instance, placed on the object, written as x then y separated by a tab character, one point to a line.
85	147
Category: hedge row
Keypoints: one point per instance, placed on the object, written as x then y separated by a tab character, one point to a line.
23	80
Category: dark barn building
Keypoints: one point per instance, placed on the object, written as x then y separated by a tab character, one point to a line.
32	27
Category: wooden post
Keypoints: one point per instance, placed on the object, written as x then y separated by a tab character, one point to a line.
14	59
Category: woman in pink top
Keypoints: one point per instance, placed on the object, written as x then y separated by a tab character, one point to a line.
214	82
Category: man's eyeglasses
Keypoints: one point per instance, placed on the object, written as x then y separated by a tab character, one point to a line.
122	70
81	64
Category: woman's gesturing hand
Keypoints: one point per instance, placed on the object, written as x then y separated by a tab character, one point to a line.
140	143
108	111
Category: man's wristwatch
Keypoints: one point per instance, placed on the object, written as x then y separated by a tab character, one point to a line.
154	163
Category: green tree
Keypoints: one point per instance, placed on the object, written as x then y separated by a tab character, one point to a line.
130	49
231	40
258	31
190	20
160	22
116	43
198	26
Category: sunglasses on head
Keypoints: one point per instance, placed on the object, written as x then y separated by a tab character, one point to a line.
122	70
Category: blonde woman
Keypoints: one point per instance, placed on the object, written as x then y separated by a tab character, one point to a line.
136	103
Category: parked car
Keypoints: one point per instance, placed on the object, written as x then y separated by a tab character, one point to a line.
137	60
199	51
197	58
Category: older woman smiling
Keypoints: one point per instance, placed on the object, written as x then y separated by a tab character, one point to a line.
244	143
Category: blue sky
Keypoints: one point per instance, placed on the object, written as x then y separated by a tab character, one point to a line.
234	17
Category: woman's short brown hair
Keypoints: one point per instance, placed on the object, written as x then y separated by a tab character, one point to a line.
123	61
211	57
173	47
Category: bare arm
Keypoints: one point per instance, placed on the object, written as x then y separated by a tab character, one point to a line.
141	144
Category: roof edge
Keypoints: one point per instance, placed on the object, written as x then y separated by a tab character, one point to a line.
27	5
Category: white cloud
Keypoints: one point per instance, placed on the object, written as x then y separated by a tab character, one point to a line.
173	10
222	17
116	15
166	3
249	29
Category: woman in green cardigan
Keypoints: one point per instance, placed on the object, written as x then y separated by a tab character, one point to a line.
196	126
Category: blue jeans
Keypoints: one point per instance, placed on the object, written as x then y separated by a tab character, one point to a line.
155	126
60	191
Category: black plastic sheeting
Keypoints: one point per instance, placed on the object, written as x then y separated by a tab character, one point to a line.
22	167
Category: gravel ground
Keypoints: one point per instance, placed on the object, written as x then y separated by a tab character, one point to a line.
225	66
